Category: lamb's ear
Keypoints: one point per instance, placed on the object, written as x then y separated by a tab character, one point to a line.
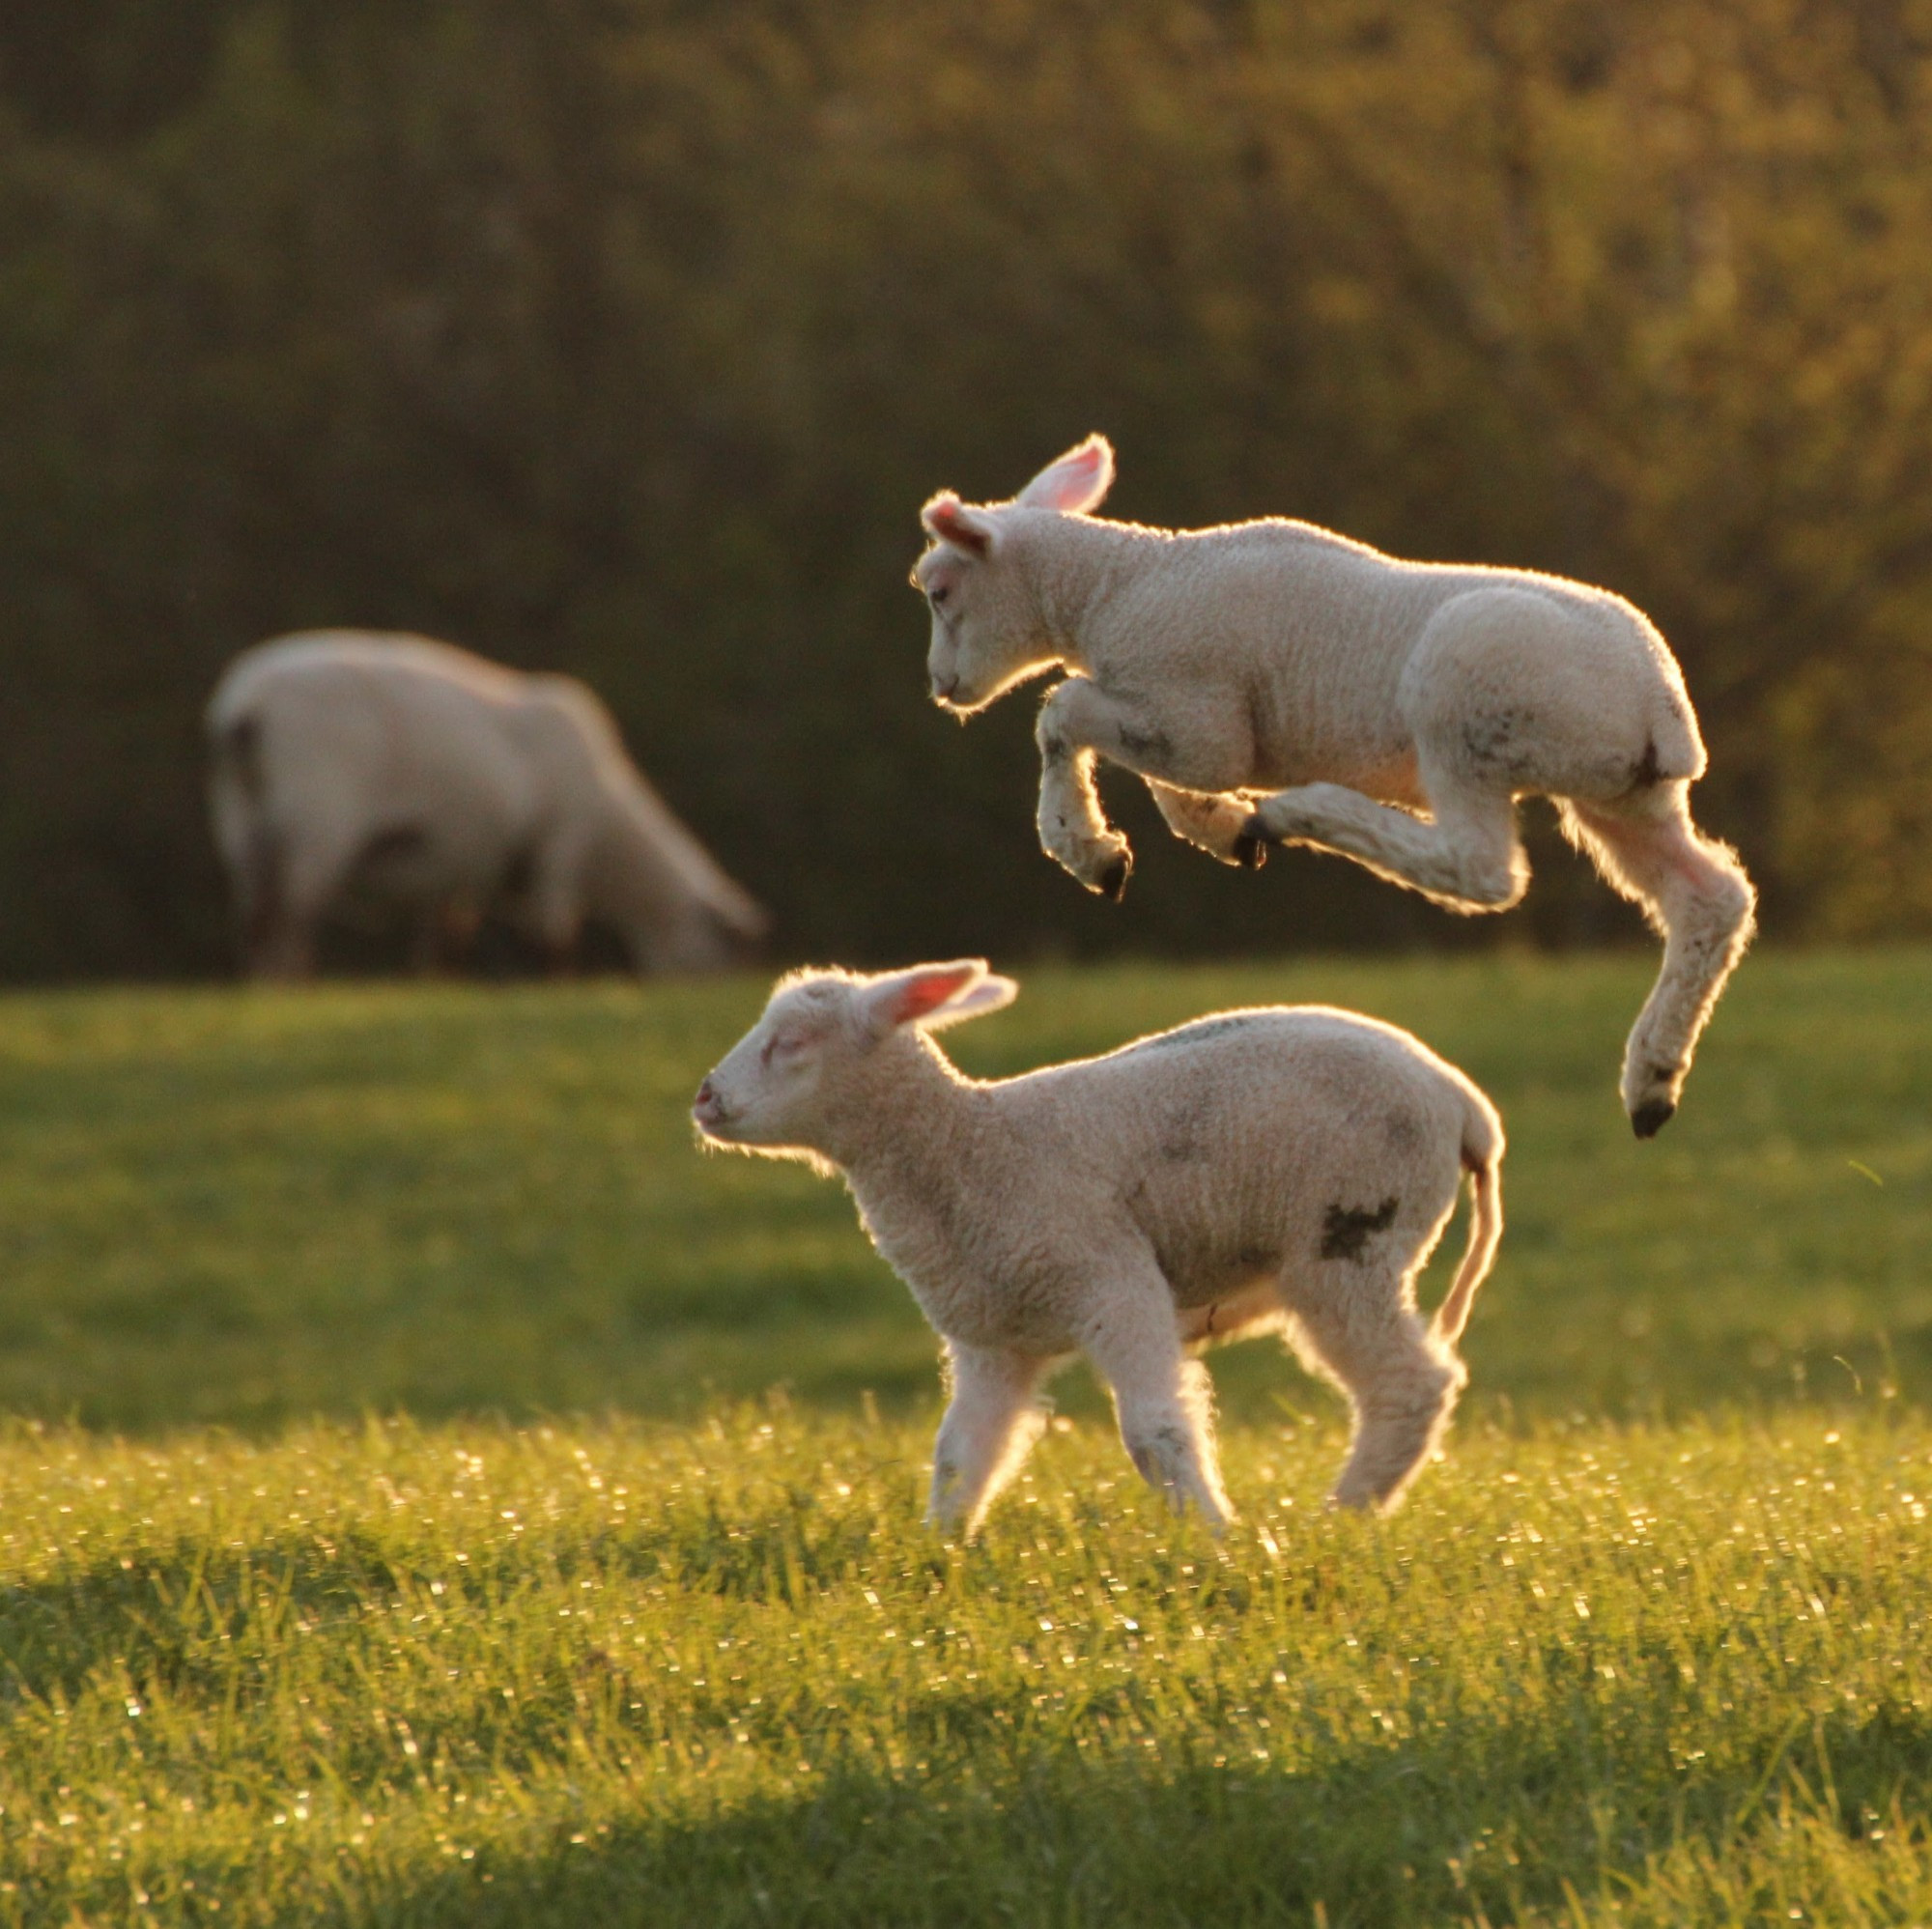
992	993
1076	483
931	995
949	518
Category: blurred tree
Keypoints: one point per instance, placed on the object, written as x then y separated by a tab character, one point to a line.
627	335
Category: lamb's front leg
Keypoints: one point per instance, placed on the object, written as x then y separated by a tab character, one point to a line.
991	1423
1164	1402
1075	724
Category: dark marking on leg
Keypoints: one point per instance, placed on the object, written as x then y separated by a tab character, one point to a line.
1491	744
1346	1229
1146	746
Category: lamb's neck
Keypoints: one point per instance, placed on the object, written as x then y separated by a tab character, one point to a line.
1085	565
914	1123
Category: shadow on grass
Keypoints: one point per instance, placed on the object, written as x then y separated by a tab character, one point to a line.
1486	1816
977	1817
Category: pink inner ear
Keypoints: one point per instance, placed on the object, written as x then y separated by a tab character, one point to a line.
946	516
1080	472
1076	482
924	995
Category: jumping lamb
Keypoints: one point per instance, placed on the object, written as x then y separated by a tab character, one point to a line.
1288	1168
352	766
1277	684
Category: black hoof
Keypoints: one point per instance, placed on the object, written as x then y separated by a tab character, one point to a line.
1249	852
1652	1117
1112	882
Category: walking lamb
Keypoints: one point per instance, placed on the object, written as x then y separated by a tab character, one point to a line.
1274	683
1288	1168
412	773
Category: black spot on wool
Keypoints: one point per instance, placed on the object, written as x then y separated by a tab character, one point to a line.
1346	1229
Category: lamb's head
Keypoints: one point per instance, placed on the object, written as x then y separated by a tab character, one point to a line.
988	629
790	1085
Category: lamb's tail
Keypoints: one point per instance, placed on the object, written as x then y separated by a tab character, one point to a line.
1483	1159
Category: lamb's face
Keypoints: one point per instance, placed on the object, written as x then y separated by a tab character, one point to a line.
765	1094
988	630
985	632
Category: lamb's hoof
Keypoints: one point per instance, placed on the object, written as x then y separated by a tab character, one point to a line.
1249	852
1112	883
1256	827
1652	1117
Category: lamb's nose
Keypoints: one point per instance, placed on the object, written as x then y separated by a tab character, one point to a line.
705	1094
943	686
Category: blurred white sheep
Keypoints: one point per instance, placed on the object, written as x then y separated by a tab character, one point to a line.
349	765
1274	683
1286	1168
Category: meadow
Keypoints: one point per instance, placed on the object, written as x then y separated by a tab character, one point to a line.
437	1493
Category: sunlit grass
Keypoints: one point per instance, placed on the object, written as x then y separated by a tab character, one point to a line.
1650	1647
613	1674
247	1208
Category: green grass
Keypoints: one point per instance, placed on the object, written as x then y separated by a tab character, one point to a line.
1650	1647
251	1208
600	1674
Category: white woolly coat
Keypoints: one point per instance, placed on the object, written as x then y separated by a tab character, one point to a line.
1274	653
422	773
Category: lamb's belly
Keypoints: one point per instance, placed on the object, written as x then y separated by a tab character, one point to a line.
406	863
1253	1308
1387	775
1203	1278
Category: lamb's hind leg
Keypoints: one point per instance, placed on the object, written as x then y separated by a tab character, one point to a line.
309	871
1466	855
1695	892
1215	824
1399	1381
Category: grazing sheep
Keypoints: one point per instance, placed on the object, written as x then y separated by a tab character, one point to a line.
347	765
1287	1168
1274	683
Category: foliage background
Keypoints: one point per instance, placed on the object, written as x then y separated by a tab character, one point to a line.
627	335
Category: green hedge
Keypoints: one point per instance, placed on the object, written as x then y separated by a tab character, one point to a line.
626	337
